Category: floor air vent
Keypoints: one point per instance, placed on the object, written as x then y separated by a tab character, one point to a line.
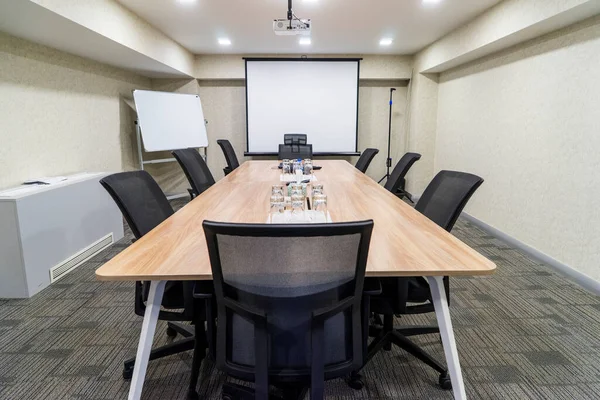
75	260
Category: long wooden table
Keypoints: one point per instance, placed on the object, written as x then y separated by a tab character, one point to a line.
403	243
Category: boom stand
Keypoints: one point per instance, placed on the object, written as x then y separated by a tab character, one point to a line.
388	161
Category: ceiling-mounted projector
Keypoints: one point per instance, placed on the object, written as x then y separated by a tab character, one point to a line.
293	27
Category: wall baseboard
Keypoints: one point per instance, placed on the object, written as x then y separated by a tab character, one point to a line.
580	278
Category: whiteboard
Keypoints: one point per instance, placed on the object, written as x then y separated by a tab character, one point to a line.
170	121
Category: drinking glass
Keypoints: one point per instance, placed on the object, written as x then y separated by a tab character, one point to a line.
296	166
297	207
297	197
277	208
295	188
277	190
308	167
286	166
317	188
319	206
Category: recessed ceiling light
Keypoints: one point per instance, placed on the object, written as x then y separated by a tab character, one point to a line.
431	1
305	41
224	42
310	1
187	1
386	42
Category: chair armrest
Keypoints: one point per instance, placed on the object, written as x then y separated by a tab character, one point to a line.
372	287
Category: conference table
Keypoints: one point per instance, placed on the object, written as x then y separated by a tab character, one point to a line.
403	243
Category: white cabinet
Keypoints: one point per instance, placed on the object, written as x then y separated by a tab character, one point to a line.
53	227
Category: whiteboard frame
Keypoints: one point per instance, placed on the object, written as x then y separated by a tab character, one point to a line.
202	141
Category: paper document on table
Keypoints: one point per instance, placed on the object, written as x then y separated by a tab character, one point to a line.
45	180
294	178
305	217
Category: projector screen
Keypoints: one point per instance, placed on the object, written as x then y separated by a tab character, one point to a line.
317	97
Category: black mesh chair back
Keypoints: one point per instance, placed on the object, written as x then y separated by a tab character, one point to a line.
140	199
443	201
195	169
365	159
229	153
144	206
400	171
446	196
294	138
293	152
288	300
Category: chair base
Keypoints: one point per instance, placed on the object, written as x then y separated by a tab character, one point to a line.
386	336
232	391
355	381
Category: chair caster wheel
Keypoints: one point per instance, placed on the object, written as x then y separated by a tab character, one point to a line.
445	382
192	395
355	382
171	332
127	372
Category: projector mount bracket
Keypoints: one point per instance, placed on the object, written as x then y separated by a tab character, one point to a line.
291	16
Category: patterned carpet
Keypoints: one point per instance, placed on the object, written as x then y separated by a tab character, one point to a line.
523	333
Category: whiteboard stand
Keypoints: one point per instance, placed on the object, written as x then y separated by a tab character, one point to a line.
143	162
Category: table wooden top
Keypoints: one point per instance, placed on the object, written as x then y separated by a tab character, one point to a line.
403	243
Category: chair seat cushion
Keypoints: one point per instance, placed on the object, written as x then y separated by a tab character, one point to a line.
390	300
172	297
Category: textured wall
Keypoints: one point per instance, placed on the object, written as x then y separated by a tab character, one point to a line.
527	121
231	66
422	122
61	114
499	26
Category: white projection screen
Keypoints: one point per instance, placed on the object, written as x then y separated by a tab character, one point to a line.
317	97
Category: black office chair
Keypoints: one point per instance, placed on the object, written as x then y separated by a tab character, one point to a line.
195	170
144	206
230	157
395	182
365	159
293	152
442	202
295	138
289	304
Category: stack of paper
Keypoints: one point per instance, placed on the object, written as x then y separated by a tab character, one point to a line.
305	217
294	178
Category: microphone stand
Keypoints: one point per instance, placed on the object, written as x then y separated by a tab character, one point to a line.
388	161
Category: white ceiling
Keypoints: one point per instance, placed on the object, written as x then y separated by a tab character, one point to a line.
339	26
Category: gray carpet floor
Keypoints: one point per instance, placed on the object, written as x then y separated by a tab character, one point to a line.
523	333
